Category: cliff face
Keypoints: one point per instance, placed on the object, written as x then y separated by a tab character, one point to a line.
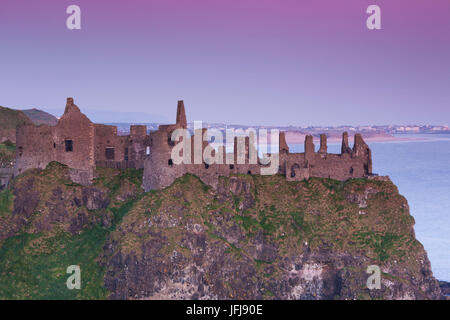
255	237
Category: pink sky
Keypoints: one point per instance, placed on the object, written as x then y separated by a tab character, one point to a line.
247	61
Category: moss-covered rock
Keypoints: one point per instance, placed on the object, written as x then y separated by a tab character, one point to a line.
254	237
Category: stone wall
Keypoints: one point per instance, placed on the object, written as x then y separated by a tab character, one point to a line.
106	137
70	142
138	145
353	162
160	170
81	145
34	147
114	151
76	127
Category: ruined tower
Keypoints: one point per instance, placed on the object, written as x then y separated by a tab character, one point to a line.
345	148
283	146
323	144
159	167
181	115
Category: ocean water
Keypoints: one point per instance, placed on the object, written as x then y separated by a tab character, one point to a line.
421	170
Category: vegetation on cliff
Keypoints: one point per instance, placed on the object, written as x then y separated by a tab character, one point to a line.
7	154
55	223
254	237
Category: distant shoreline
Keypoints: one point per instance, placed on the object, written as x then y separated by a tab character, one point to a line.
297	138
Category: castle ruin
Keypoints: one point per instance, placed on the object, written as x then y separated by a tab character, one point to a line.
82	145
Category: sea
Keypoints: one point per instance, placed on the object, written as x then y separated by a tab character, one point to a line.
420	167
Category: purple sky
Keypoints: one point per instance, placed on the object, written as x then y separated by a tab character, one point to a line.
310	62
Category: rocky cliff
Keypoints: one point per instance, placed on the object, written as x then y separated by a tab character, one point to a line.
254	237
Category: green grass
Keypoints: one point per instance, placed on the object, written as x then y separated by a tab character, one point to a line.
7	154
39	271
299	224
8	145
33	266
382	244
43	275
113	180
6	202
248	223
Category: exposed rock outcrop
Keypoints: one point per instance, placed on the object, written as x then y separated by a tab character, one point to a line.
261	240
253	237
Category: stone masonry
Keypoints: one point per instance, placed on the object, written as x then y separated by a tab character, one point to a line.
82	145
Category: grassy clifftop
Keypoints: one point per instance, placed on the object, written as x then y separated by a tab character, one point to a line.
254	237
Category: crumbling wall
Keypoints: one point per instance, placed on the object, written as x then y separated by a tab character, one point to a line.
76	127
70	142
351	163
138	144
106	137
160	170
81	145
34	147
114	151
